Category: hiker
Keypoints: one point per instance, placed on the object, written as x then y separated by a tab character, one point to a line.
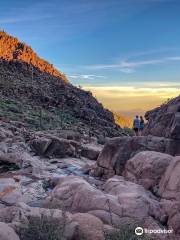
141	125
136	125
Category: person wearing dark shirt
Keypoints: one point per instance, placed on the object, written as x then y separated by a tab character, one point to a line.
141	126
136	125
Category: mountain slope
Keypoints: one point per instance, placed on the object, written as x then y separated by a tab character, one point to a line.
12	49
43	97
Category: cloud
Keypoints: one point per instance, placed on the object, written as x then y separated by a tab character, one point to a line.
24	19
126	66
140	96
127	70
73	76
150	52
86	76
135	91
34	12
136	64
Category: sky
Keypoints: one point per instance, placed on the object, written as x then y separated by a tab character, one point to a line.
127	52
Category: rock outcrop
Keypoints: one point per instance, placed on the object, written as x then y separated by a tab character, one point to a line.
170	183
91	151
117	151
169	191
90	227
161	134
147	168
53	146
164	121
120	199
49	145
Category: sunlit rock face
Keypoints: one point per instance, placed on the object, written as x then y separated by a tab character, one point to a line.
12	49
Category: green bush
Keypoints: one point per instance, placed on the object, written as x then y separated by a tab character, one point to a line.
36	118
128	131
43	228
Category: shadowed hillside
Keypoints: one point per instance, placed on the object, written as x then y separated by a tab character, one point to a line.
34	92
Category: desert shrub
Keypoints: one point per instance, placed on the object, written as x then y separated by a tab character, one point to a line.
124	232
128	131
55	204
8	167
43	228
36	118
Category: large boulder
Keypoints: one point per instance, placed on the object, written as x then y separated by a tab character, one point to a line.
117	151
18	158
146	168
136	201
39	145
169	192
90	227
7	233
51	146
174	217
170	183
120	199
28	164
91	151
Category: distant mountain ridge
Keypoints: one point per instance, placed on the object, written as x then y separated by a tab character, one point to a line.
122	120
11	49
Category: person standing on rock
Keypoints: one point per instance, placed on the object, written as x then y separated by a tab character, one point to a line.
141	125
136	125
